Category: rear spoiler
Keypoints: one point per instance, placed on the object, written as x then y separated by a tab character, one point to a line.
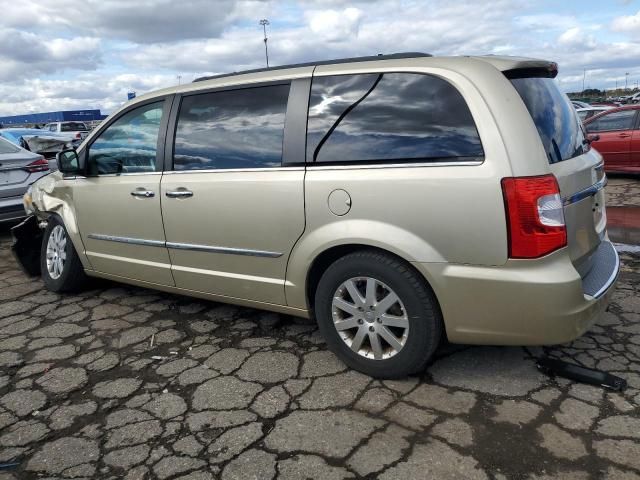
521	67
548	70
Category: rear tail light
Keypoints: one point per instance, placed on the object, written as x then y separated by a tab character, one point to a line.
535	216
78	135
40	165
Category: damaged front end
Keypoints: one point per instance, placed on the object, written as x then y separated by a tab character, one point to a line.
27	244
47	145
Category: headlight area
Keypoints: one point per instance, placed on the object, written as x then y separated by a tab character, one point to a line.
27	202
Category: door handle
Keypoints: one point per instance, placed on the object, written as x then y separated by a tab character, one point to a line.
143	193
179	194
624	135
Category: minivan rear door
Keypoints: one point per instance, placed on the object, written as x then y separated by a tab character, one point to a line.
578	168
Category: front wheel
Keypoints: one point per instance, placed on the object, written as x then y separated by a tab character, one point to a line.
377	314
61	268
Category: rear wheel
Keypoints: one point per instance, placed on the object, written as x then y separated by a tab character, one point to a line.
61	268
377	314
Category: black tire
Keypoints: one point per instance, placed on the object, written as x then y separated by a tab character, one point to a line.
425	319
72	277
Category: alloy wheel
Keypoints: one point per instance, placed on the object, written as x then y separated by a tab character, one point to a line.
56	251
370	318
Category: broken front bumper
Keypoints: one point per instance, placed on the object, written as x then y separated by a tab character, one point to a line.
27	244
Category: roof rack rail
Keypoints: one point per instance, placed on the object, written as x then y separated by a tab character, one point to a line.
368	58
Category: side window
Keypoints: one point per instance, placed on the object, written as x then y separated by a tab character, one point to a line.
231	129
388	117
129	144
622	120
53	127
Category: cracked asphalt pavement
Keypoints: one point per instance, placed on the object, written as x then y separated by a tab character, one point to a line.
123	382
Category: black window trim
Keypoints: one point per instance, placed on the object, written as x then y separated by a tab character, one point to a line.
168	100
297	103
396	162
635	122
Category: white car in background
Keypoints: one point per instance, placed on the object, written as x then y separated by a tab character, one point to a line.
585	113
78	130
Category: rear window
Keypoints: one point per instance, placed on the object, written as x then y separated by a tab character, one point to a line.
74	127
555	118
7	147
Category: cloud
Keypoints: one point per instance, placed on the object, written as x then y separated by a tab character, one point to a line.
334	25
90	90
25	54
627	24
575	39
140	21
68	53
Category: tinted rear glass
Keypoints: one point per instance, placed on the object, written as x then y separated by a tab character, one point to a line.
74	127
555	118
389	117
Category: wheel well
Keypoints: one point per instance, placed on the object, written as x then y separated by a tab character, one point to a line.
326	258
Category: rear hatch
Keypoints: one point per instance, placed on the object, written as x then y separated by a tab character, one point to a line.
14	170
578	168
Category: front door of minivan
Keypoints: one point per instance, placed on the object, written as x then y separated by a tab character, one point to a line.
118	203
232	212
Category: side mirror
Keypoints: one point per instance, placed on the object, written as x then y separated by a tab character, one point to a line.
593	138
68	162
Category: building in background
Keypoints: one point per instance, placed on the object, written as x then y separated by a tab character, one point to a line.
30	119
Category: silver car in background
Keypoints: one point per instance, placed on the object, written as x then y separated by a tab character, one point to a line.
19	168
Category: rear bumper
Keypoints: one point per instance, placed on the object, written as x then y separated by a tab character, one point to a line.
11	209
524	302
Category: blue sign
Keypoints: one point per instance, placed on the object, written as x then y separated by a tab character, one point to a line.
131	95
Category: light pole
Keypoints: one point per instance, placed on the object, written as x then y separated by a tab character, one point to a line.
264	22
626	78
179	77
584	74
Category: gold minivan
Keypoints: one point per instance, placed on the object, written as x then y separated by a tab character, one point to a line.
394	199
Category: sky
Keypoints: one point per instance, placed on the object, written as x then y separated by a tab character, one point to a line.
71	54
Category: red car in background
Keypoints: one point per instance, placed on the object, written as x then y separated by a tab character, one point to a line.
615	134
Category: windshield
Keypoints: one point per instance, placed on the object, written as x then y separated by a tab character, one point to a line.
555	118
73	127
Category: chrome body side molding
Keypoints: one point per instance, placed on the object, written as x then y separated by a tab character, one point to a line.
185	246
229	250
128	240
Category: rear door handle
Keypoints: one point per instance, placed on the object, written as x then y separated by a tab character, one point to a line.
143	193
179	194
624	135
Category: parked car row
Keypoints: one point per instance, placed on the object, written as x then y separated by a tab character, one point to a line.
626	99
